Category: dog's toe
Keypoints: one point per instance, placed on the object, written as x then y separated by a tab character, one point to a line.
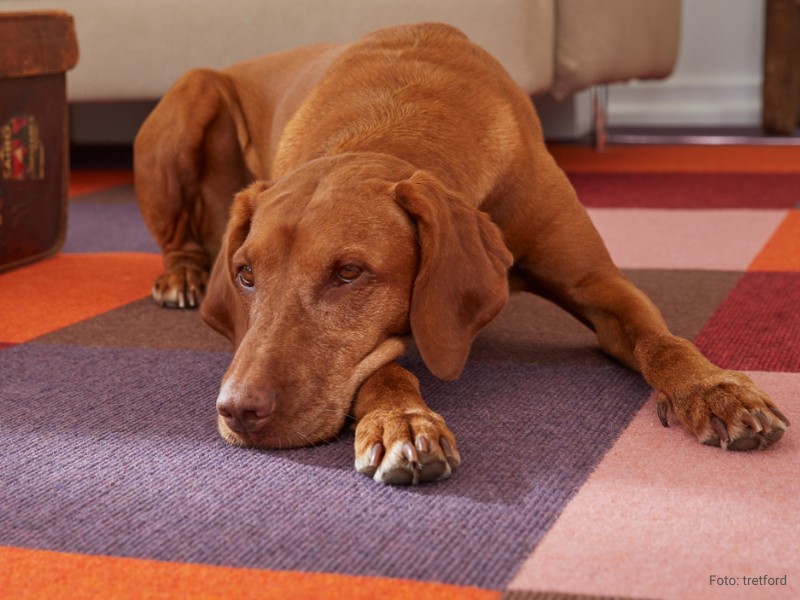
180	287
729	412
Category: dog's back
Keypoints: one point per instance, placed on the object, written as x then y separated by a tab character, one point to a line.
422	93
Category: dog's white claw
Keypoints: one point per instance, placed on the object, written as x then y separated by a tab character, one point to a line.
405	464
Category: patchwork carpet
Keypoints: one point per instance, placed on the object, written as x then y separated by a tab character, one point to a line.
114	483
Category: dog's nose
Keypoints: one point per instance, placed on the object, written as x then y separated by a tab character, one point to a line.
246	409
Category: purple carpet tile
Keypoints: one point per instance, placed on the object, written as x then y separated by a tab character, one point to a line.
114	451
107	226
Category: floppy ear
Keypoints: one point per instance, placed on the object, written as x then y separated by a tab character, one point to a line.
462	282
222	308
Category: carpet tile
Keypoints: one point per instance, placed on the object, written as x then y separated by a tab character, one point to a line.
661	515
722	240
66	289
526	595
141	324
85	182
782	251
758	325
638	159
686	298
688	190
89	577
173	491
109	223
533	330
115	484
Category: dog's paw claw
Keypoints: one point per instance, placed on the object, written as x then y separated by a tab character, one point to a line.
662	407
774	410
719	428
410	454
373	461
756	422
452	457
375	456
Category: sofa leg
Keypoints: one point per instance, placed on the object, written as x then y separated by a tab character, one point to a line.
599	116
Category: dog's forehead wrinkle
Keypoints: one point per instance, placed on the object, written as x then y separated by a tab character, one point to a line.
265	248
342	224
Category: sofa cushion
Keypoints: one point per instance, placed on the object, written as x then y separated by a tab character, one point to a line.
614	40
135	49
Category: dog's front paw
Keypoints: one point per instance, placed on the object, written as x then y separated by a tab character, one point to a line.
728	411
405	447
181	287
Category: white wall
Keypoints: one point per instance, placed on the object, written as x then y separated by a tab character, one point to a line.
717	80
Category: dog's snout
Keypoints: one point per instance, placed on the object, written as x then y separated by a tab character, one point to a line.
246	409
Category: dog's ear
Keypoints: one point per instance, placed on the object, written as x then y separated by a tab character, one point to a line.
222	308
462	281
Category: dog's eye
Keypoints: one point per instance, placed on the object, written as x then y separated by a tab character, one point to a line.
245	276
348	273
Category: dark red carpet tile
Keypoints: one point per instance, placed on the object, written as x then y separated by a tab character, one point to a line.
757	328
677	158
115	452
687	190
5	345
533	330
142	324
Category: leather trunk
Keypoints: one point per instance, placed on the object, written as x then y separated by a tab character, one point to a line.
36	50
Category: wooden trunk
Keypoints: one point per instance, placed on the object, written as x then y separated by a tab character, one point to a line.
36	50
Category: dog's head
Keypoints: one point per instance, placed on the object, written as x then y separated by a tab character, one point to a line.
320	277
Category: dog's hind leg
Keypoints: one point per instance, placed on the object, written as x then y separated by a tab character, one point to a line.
188	164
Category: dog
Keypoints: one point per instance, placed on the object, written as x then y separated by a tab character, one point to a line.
327	202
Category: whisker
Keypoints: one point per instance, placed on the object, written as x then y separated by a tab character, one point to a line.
305	437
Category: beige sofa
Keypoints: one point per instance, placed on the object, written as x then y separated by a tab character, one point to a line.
132	50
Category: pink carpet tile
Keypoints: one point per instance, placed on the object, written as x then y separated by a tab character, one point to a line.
722	240
663	517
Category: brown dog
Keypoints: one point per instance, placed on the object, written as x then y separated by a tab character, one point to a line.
402	186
